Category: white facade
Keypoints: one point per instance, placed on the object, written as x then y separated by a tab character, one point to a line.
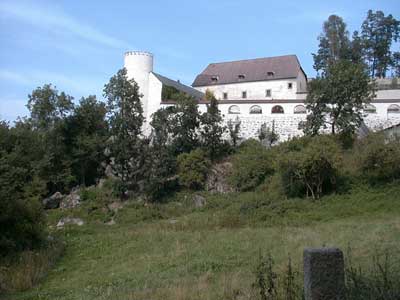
283	108
269	90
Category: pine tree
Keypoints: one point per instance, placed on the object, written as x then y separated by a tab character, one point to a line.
127	144
212	129
378	33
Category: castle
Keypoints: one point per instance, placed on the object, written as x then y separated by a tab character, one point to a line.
268	90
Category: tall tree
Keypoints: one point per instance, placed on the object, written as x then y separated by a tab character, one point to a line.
127	144
87	131
185	122
212	129
337	98
48	112
378	34
334	44
47	106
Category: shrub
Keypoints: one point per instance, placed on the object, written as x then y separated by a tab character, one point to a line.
21	223
251	166
378	159
193	168
314	170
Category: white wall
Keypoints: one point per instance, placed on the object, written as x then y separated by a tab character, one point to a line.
255	90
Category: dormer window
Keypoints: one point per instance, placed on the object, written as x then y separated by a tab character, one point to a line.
241	76
214	78
270	73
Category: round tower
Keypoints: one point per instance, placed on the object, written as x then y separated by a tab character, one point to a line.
139	64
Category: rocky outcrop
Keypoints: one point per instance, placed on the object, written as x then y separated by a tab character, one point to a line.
69	221
53	201
72	200
217	178
199	201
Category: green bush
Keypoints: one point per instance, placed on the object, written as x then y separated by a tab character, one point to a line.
378	159
312	169
193	168
252	164
21	223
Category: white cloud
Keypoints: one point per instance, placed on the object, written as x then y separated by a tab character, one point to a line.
57	21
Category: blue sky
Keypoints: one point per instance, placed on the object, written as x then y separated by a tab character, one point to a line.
79	45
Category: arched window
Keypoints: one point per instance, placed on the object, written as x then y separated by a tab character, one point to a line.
277	109
393	109
255	109
370	109
300	109
234	109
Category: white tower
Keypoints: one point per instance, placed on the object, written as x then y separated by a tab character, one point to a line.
139	64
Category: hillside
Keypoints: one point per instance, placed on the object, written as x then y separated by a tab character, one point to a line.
179	251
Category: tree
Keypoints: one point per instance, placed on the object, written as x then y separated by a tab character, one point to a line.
193	168
185	123
47	106
337	98
48	112
212	130
234	129
268	136
161	178
334	44
310	166
127	144
378	33
87	132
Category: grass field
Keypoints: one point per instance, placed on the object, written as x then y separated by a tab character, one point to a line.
177	251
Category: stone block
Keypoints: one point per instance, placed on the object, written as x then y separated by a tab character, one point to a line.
323	274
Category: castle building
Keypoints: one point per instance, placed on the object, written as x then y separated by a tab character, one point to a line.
268	90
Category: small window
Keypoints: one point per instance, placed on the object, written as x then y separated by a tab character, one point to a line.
234	109
393	109
270	73
244	94
255	109
225	96
267	93
214	78
277	109
300	109
290	85
241	76
370	109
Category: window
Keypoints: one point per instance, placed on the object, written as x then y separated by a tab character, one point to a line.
234	109
370	109
270	73
255	109
267	93
277	109
225	96
214	78
393	109
241	76
300	109
244	94
290	85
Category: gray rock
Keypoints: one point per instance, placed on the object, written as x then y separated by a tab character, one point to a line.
72	200
323	274
53	201
217	178
199	201
115	206
69	221
111	222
